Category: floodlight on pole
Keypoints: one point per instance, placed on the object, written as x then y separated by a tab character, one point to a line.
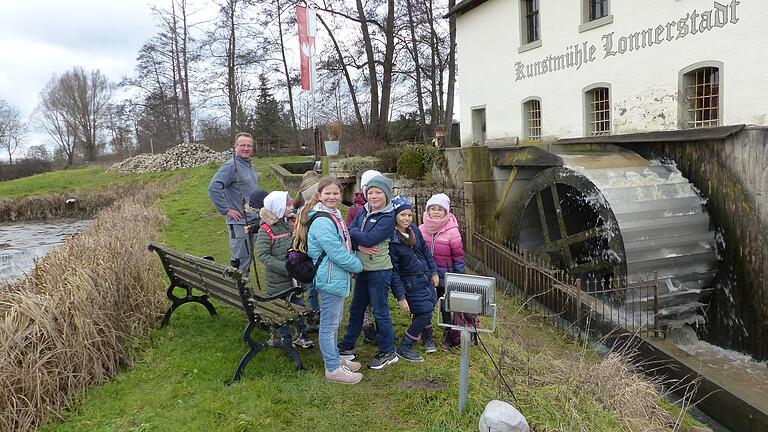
473	295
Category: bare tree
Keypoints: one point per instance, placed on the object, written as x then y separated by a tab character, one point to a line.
12	129
120	124
181	41
84	97
38	152
158	113
448	114
54	118
417	69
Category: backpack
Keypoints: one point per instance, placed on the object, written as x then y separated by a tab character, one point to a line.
272	237
451	337
298	264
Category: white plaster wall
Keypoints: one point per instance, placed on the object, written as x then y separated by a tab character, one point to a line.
644	83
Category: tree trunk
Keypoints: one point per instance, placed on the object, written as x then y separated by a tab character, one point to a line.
435	71
182	65
372	75
231	75
417	67
448	116
386	78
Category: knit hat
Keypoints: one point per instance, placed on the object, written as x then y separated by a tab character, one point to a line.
276	202
442	200
382	183
400	203
256	200
366	177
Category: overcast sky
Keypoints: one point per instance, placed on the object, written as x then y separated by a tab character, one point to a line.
40	38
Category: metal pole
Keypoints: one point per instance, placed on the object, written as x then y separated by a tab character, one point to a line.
656	304
464	370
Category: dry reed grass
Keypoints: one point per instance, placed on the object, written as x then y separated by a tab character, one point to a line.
70	324
55	205
615	383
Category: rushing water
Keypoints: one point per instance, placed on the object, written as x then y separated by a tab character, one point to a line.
22	243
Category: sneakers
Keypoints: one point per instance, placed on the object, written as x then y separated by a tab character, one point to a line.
344	376
303	342
346	354
351	365
382	360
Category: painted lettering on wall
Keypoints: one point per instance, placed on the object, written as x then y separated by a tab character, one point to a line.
577	55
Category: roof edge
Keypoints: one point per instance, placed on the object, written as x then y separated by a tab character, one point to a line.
719	132
464	6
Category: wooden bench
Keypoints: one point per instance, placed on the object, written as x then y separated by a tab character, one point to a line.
227	284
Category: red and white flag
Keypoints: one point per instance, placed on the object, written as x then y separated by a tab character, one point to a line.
307	32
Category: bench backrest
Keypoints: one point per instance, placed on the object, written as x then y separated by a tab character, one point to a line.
188	271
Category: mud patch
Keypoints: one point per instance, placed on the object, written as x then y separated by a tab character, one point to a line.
426	384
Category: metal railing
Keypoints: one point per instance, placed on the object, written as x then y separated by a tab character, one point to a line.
587	308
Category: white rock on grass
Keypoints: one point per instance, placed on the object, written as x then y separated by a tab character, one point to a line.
177	157
500	416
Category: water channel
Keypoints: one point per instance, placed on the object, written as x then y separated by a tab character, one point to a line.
22	243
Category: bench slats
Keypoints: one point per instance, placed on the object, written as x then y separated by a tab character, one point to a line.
203	267
210	286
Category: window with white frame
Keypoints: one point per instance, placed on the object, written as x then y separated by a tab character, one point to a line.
701	88
594	14
532	119
598	111
597	9
530	21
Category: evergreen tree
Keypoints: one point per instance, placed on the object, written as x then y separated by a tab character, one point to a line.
271	127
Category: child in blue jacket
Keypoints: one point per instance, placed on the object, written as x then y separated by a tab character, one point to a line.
414	277
370	232
326	238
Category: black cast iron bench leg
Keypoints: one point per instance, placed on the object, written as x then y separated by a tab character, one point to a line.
178	301
255	348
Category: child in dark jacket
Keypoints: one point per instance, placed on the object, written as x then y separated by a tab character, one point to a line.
358	204
414	278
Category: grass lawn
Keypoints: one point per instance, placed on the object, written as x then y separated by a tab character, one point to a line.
177	381
77	180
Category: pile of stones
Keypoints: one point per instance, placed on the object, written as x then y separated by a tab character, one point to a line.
177	157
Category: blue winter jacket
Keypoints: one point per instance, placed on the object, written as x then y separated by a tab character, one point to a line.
373	229
333	273
228	190
412	270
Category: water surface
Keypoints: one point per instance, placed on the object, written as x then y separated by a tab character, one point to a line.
22	243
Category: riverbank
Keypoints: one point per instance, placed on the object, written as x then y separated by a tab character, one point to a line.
76	193
176	379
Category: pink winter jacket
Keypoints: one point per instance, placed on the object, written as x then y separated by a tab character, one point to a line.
444	241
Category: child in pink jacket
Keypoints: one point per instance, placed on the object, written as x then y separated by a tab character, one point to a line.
441	233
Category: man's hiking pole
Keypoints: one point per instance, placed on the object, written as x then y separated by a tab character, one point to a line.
248	246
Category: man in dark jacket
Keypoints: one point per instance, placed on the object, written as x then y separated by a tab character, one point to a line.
230	187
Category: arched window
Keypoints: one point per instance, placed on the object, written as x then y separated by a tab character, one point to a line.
700	95
532	118
597	109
